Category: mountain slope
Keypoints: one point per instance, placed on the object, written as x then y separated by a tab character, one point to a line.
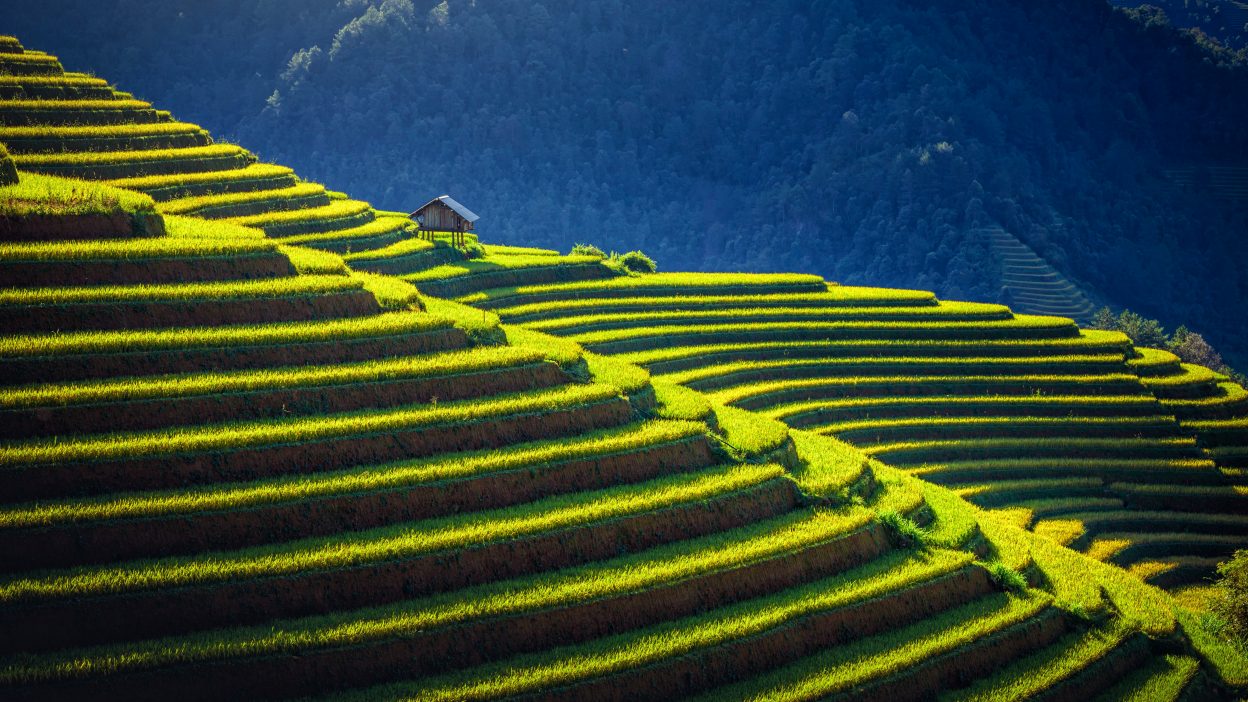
237	467
863	142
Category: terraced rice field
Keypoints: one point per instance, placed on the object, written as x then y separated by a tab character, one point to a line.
71	125
1033	285
233	466
970	396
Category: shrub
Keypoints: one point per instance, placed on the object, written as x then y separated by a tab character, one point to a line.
587	250
1191	347
474	250
1231	602
634	262
1006	577
902	529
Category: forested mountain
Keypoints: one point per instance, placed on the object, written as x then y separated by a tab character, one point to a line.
867	141
1225	21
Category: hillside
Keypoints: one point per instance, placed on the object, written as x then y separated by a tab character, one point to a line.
1225	21
864	142
259	441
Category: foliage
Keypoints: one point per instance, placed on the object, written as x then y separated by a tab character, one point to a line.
1189	346
1007	578
1142	331
473	250
49	195
903	530
1192	348
632	262
1232	600
587	250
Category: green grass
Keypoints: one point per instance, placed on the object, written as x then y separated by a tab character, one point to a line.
1161	679
87	158
66	80
750	434
827	467
864	364
677	402
675	281
1028	445
741	392
1032	675
923	403
481	325
835	298
212	383
396	475
905	348
1216	424
600	658
391	293
1190	375
38	194
1228	661
314	262
131	249
72	105
198	228
956	524
612	319
36	345
233	436
157	182
336	209
1021	422
670	563
191	205
377	227
1151	360
565	353
844	668
1185	490
393	542
488	265
498	250
887	330
227	290
625	376
97	131
395	250
980	490
1126	467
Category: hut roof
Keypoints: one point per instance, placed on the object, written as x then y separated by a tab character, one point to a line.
450	202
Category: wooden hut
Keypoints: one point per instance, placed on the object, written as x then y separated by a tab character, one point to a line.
444	214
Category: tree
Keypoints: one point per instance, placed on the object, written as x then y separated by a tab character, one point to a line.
1104	319
1143	331
1192	348
1231	602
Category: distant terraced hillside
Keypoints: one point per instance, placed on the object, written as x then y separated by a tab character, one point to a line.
1226	182
1032	285
234	467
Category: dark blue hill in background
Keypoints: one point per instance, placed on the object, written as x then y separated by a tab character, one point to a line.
871	141
1222	21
